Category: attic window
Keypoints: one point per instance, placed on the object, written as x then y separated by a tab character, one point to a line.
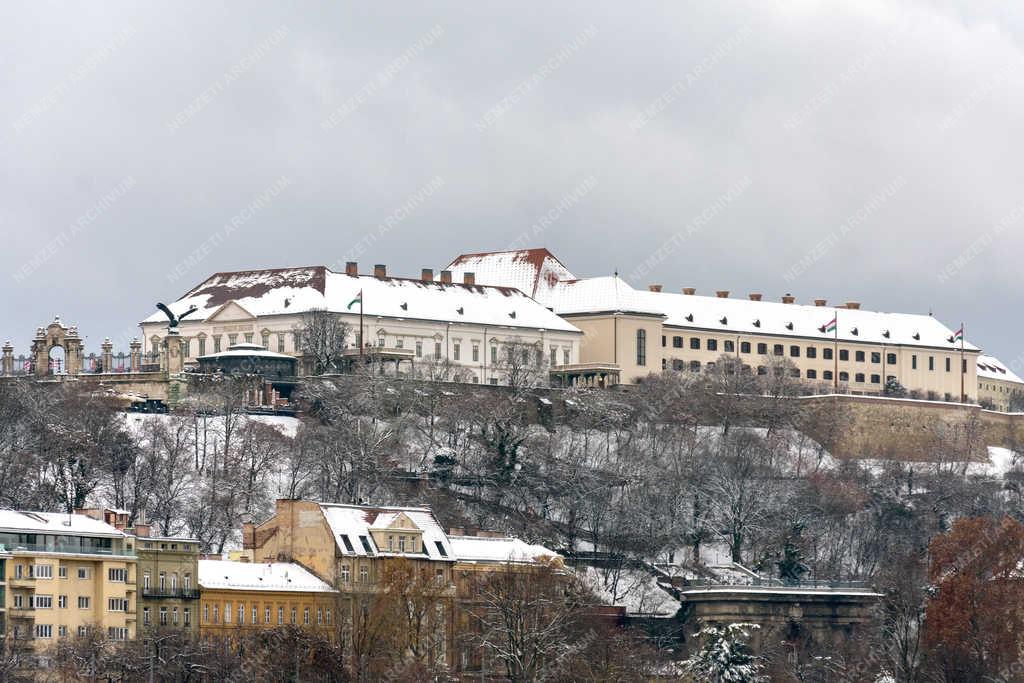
440	548
348	543
366	544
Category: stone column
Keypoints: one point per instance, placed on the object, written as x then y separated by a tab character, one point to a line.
136	354
8	359
40	354
108	355
173	352
73	355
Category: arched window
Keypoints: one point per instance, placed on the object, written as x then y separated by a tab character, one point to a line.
641	347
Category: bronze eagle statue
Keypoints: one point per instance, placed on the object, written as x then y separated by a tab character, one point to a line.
173	320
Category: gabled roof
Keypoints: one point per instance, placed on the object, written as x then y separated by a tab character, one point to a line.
297	290
990	367
352	523
265	576
19	521
533	271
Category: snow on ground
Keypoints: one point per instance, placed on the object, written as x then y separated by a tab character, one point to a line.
1000	462
634	589
285	424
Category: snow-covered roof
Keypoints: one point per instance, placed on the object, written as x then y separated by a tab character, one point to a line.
266	576
990	367
352	523
533	271
567	296
296	290
484	549
55	523
246	351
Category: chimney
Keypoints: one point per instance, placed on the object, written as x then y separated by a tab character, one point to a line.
689	290
456	531
788	298
468	279
755	296
654	288
142	530
351	268
380	271
446	277
855	305
248	536
820	302
722	294
427	275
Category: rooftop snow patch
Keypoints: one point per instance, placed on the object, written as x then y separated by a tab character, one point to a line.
265	576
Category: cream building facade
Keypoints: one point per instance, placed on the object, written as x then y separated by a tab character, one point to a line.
630	333
998	384
412	322
66	574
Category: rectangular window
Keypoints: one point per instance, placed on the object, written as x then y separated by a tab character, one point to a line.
812	352
844	376
62	572
729	346
762	349
677	342
366	544
401	544
280	343
305	616
44	631
202	346
913	362
876	357
216	343
83	602
456	350
319	615
494	354
364	574
216	614
227	613
876	379
437	349
117	633
265	338
117	575
280	616
695	343
844	354
890	358
62	631
328	616
794	351
255	615
44	571
963	367
827	374
232	339
859	356
145	616
163	616
641	347
744	347
859	377
186	614
777	350
116	605
146	581
19	600
712	344
62	601
826	353
552	355
565	356
347	543
206	614
947	364
812	374
42	601
476	355
931	362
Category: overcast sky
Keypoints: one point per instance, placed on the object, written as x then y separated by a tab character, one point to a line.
858	150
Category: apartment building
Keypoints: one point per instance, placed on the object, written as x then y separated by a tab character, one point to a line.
373	553
630	333
65	574
168	580
239	597
409	324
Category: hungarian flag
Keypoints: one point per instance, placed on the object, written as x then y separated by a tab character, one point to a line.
958	336
357	300
830	326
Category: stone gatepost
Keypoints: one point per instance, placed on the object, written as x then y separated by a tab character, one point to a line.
73	355
108	355
8	359
136	354
174	354
40	353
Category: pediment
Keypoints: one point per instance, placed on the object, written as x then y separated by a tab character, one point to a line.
229	312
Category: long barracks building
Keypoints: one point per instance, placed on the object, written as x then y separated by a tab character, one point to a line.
630	333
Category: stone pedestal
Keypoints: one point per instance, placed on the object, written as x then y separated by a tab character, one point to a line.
174	359
136	355
108	355
7	366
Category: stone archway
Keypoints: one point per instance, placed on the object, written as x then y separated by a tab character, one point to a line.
57	360
56	336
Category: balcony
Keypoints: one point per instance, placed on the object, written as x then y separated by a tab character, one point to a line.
69	550
178	593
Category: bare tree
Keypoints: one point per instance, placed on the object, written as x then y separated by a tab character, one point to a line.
323	337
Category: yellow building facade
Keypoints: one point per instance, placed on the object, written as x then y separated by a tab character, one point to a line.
66	574
998	385
240	597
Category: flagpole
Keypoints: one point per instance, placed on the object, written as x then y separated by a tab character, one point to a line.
362	336
835	351
963	333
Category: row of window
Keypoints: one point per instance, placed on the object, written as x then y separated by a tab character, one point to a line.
164	621
45	571
212	615
45	632
46	602
163	578
859	377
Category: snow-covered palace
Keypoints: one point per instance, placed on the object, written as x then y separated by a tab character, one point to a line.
597	330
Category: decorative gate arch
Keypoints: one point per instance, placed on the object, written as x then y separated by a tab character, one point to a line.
57	336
